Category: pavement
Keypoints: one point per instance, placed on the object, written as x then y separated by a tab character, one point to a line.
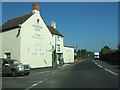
48	68
64	65
83	74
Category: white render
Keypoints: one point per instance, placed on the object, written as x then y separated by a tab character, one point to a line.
11	44
68	54
57	44
0	45
57	40
33	45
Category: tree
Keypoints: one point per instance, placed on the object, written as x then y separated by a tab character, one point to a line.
90	54
84	53
78	54
105	50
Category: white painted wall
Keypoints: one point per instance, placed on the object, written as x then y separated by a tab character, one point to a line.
35	44
11	43
68	55
55	41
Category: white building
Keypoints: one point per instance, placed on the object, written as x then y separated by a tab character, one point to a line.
27	38
57	43
68	54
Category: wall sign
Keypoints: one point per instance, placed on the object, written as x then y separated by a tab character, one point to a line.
37	27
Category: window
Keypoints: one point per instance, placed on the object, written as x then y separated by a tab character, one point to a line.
38	20
15	62
8	55
52	35
58	38
58	47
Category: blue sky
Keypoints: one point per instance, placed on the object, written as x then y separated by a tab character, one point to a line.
89	25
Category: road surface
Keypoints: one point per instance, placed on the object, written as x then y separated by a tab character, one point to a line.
83	74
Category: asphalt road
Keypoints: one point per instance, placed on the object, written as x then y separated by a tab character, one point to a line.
84	74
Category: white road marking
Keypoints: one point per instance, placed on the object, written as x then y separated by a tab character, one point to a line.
111	72
94	62
34	84
100	66
40	82
44	78
105	69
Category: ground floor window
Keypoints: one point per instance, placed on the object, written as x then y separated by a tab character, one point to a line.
8	55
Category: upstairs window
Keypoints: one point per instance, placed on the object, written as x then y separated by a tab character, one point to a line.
58	47
38	20
58	38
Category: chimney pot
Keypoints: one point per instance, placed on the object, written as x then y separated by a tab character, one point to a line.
36	6
53	24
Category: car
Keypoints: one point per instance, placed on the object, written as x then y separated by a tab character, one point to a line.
14	67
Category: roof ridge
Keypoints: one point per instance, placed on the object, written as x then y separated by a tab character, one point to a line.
14	22
53	30
52	27
18	17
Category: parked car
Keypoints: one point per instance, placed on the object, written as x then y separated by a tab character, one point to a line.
14	67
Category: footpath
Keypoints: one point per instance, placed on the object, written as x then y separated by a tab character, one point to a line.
48	68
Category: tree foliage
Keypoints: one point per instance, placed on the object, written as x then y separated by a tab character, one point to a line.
105	50
83	53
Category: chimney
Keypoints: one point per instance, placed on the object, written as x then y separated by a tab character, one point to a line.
35	7
53	24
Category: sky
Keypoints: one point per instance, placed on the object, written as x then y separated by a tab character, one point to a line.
87	25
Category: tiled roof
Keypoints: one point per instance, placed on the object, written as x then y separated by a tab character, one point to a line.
15	22
54	31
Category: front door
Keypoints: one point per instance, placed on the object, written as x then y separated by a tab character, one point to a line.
60	58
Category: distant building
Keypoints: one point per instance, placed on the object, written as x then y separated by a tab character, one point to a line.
57	42
30	40
68	54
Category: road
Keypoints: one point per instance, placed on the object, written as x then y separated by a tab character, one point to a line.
84	74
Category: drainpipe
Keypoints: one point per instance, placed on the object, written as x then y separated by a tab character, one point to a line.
45	62
18	31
